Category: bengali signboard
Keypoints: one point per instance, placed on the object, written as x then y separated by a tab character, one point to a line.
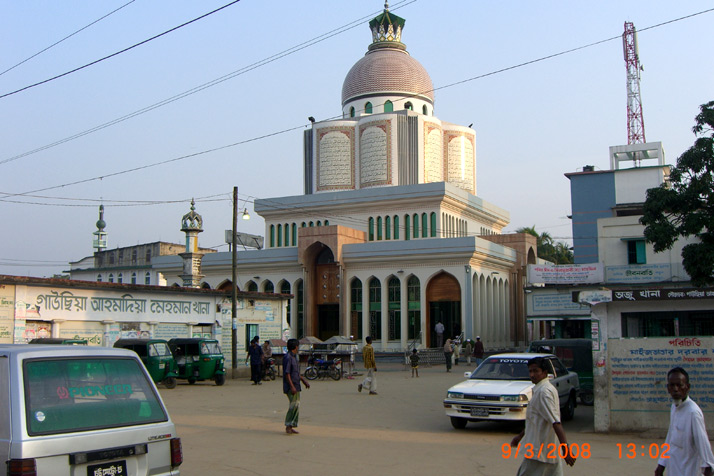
7	313
93	305
641	273
551	303
662	294
566	273
637	371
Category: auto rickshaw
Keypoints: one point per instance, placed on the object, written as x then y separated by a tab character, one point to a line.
576	355
157	358
199	359
57	341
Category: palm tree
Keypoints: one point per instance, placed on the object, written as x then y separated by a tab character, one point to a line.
548	249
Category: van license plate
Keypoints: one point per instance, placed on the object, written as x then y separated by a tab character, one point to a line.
479	411
116	468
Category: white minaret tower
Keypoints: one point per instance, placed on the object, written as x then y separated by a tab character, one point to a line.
100	236
192	225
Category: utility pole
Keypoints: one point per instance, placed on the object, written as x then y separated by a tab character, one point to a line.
234	287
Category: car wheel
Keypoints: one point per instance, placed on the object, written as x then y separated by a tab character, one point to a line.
459	423
587	397
170	382
220	379
569	411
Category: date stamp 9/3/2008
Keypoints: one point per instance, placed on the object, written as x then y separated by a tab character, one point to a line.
549	451
575	450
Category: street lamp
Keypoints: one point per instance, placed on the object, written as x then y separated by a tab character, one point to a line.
234	286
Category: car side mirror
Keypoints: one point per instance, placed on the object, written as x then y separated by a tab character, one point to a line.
551	376
467	374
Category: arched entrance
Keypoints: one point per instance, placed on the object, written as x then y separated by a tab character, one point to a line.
327	295
443	303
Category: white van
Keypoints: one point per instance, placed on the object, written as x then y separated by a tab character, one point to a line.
82	411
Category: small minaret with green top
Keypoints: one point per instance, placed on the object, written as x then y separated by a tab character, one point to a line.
100	236
387	30
192	225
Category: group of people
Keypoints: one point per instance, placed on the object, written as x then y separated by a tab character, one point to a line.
452	348
258	356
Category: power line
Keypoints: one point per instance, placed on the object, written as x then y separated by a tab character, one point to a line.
119	52
201	87
502	70
66	37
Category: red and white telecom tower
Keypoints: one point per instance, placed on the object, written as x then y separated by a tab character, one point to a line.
635	121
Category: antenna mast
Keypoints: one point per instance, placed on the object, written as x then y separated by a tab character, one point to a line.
635	121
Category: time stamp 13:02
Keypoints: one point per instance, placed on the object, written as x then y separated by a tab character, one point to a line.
575	450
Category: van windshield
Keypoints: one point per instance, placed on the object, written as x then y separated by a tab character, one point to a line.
64	395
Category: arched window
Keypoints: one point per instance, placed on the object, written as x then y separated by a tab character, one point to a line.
394	306
111	277
148	256
300	300
356	308
375	309
303	225
396	227
433	224
286	229
424	231
269	287
415	223
327	223
252	287
272	236
388	106
120	278
407	235
205	286
99	278
133	278
280	235
409	106
294	235
368	108
147	278
352	112
312	224
414	306
285	289
319	223
387	228
424	110
370	228
379	228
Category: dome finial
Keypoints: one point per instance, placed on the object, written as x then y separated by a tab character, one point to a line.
387	30
386	6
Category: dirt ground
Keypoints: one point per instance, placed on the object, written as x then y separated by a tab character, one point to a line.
238	429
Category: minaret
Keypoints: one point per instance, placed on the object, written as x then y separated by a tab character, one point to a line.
100	236
192	225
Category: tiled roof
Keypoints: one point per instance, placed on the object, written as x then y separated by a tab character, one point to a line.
387	70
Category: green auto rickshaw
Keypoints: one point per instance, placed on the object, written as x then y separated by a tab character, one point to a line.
576	355
157	358
199	359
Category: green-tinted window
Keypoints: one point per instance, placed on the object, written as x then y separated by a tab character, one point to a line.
69	395
433	224
294	234
396	227
280	236
387	228
409	106
424	230
414	306
368	108
252	287
352	112
406	227
424	110
356	308
379	228
375	309
388	106
272	236
415	223
636	252
371	229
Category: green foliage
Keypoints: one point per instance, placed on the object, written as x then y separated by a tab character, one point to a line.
685	206
548	249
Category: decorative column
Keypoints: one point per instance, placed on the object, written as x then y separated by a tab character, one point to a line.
192	225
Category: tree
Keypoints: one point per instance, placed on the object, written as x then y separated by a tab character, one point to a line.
685	206
548	249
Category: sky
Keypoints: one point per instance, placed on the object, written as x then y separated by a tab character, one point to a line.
533	122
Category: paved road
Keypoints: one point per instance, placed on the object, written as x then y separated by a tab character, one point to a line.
238	429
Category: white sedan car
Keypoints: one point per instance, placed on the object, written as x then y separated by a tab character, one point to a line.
500	389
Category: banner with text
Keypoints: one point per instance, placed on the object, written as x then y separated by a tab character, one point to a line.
566	273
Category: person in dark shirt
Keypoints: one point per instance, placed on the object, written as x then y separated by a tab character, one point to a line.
256	360
291	386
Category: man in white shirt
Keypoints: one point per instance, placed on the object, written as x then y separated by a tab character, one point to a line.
439	328
690	452
543	428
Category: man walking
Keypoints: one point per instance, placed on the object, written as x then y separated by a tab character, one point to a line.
689	452
478	350
439	328
255	352
370	381
291	386
542	426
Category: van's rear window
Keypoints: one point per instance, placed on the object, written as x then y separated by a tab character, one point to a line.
69	395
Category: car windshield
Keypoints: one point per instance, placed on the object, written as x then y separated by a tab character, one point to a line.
502	368
67	395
